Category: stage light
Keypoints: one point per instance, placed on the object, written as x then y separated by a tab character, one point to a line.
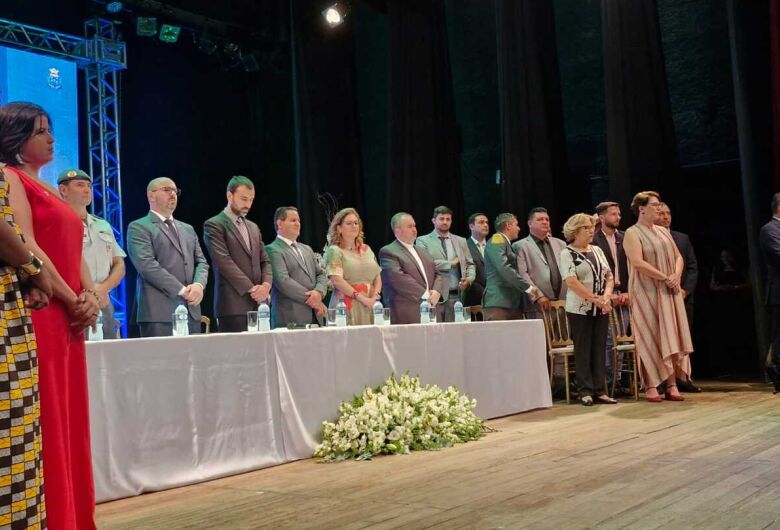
146	26
335	15
114	7
169	33
205	44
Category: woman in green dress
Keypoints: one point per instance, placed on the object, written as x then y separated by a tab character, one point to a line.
352	268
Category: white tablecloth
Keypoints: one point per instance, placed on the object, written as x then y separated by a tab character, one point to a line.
172	411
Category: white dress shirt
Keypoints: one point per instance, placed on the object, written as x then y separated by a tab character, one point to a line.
416	257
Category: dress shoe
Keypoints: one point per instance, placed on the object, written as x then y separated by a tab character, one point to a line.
687	386
587	401
654	399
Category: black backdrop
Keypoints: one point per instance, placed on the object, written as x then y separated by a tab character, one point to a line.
380	113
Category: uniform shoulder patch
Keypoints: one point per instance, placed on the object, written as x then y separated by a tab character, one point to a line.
498	239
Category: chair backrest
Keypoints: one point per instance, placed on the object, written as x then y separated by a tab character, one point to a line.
556	325
620	320
206	321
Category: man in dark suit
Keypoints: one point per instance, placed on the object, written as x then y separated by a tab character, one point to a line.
480	228
690	276
300	283
242	269
171	267
409	274
609	238
769	241
505	288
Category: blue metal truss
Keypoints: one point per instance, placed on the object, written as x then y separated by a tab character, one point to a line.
101	57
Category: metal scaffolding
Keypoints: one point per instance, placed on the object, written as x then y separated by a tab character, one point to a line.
101	57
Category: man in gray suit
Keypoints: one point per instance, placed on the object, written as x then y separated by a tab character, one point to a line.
409	274
300	283
171	267
505	288
453	259
539	262
242	270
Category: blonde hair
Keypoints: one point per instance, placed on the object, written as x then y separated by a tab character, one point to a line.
334	238
577	222
641	199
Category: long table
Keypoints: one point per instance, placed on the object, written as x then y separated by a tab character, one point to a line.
166	412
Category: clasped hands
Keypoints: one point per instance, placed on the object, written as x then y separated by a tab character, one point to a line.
260	293
604	303
314	300
83	309
193	294
673	282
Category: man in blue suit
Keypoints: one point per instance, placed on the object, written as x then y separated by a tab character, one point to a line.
769	241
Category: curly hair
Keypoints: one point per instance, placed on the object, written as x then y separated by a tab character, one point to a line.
17	124
334	238
575	223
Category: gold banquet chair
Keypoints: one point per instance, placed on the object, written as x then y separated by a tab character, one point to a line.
559	343
623	343
206	324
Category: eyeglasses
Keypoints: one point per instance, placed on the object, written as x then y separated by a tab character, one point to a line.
168	189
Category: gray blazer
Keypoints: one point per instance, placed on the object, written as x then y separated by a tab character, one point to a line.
291	281
164	267
403	283
432	244
236	267
533	267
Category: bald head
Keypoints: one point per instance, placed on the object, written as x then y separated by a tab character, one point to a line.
163	196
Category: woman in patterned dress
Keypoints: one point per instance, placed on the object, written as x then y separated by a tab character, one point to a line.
658	319
352	268
21	484
54	232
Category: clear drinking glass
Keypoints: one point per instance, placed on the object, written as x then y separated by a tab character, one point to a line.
252	323
331	317
387	316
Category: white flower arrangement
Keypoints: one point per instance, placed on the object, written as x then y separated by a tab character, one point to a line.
397	417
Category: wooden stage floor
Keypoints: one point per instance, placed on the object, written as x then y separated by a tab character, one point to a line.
712	461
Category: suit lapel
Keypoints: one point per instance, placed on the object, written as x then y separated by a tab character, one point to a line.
403	250
308	268
234	229
175	240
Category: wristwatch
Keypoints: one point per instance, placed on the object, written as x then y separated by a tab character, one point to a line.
32	267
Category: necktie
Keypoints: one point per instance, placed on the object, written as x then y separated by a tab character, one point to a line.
444	246
555	273
242	229
481	247
299	255
172	230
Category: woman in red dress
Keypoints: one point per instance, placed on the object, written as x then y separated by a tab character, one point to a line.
54	233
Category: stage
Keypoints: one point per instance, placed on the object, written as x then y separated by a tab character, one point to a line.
172	411
710	462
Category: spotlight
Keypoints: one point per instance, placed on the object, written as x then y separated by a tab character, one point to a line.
205	44
335	15
146	26
169	33
114	7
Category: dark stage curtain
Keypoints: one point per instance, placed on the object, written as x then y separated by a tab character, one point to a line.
753	98
641	144
423	152
327	140
774	36
533	141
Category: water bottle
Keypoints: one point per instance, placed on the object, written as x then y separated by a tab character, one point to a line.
379	314
181	326
341	314
263	317
96	332
425	312
459	317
